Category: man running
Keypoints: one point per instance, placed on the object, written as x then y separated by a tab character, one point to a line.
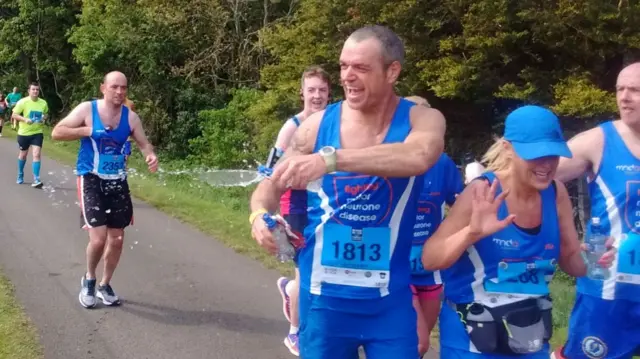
32	111
314	91
12	100
362	162
609	155
442	184
103	127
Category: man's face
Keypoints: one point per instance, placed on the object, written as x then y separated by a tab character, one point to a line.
628	95
34	91
114	90
364	76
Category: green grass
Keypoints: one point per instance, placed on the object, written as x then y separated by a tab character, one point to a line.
223	213
18	337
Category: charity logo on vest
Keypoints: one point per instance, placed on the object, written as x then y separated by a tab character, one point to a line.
628	168
423	228
367	200
509	244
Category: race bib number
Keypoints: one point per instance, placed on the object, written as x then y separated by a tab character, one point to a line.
111	164
629	259
416	260
519	278
35	116
357	257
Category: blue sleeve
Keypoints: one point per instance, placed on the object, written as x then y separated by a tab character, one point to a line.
455	185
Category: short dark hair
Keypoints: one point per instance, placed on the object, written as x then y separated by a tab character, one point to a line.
391	44
34	84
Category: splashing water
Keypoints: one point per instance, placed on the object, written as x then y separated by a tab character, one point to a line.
215	177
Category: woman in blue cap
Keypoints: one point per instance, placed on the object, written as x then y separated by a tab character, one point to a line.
499	245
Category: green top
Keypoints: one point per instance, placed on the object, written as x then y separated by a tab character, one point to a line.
13	98
33	110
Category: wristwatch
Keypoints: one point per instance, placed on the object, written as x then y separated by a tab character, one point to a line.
328	154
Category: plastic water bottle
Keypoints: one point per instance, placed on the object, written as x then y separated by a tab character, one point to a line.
285	250
596	247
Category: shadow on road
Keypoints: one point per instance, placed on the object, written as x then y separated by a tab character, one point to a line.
224	320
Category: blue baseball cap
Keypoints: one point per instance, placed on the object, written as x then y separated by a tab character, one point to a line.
535	132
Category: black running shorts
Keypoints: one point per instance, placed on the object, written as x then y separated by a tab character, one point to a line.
24	142
104	202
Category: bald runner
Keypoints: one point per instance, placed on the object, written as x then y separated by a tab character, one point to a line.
103	127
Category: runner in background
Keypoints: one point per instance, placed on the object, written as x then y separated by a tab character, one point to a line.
32	111
103	127
3	111
314	92
12	100
605	321
473	168
442	184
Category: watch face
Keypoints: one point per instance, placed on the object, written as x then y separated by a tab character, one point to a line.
327	150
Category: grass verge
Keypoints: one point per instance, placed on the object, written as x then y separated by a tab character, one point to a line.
18	337
223	213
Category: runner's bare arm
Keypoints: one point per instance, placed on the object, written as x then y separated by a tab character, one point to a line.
285	135
570	253
138	134
267	194
583	146
73	126
414	156
452	237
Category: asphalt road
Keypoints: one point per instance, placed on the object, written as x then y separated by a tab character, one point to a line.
184	294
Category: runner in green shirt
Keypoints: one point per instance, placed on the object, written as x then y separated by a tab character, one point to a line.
11	101
32	112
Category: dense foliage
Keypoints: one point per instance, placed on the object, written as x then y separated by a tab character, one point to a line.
214	79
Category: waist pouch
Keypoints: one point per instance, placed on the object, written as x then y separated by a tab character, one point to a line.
512	329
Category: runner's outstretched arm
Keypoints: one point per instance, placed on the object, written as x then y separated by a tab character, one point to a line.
73	127
419	152
267	194
583	146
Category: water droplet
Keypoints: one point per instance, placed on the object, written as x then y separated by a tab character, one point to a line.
107	211
136	242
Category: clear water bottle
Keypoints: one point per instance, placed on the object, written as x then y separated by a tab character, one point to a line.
596	247
285	250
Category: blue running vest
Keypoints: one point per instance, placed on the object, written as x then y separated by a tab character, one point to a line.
506	267
442	183
360	227
103	154
615	199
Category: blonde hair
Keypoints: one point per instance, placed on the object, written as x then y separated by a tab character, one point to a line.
496	158
419	100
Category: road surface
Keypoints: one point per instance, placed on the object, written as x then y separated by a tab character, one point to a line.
185	295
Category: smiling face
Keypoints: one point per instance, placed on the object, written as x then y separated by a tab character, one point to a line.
628	95
365	77
315	93
537	173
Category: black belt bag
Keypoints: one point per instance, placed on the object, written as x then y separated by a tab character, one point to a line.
513	329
